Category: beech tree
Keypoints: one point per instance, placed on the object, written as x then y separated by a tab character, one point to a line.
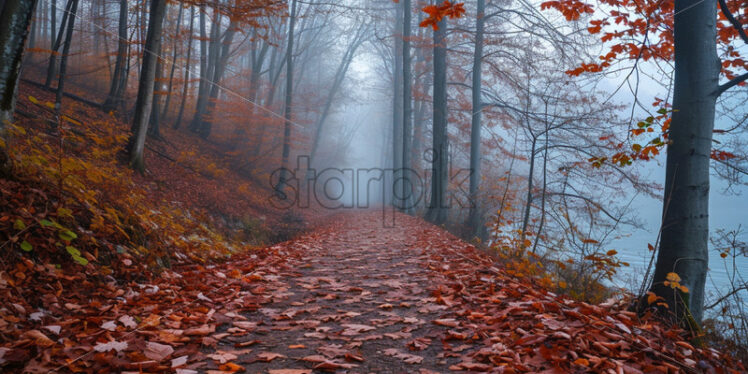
15	17
688	33
119	77
143	105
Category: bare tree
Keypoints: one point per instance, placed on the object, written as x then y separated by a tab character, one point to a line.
143	105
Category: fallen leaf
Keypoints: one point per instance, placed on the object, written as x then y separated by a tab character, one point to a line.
158	352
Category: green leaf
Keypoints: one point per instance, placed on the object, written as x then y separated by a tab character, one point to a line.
67	235
662	111
73	251
19	225
46	223
26	246
80	260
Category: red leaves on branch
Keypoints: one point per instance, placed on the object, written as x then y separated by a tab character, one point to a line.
571	9
437	12
643	30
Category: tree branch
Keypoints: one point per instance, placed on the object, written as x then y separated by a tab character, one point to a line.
733	21
735	81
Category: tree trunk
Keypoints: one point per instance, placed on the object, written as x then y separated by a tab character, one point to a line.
397	107
113	100
340	73
136	146
280	188
219	67
52	67
65	53
475	219
437	212
52	23
528	200
153	120
203	85
407	184
15	17
173	63
685	217
186	86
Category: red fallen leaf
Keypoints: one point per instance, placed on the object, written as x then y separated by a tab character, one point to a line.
290	371
475	366
246	344
296	346
200	331
449	322
452	334
419	344
157	351
231	367
38	338
223	357
582	362
406	357
352	357
245	325
267	356
315	358
334	365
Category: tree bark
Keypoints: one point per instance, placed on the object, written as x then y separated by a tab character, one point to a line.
65	53
143	104
52	67
154	118
221	56
397	107
406	183
113	99
165	111
15	17
203	85
288	111
437	212
186	86
685	226
475	219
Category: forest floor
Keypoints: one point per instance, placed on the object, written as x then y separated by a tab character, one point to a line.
103	270
351	296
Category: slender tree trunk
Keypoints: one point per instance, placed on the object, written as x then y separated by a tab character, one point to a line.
186	86
407	184
136	146
545	186
113	100
65	54
685	226
269	99
173	63
52	67
15	17
34	26
154	119
397	108
475	220
204	75
528	200
53	24
340	73
437	212
288	115
219	67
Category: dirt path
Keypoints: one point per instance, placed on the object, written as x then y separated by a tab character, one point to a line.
352	296
356	299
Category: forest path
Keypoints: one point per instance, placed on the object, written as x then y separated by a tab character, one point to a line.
356	296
